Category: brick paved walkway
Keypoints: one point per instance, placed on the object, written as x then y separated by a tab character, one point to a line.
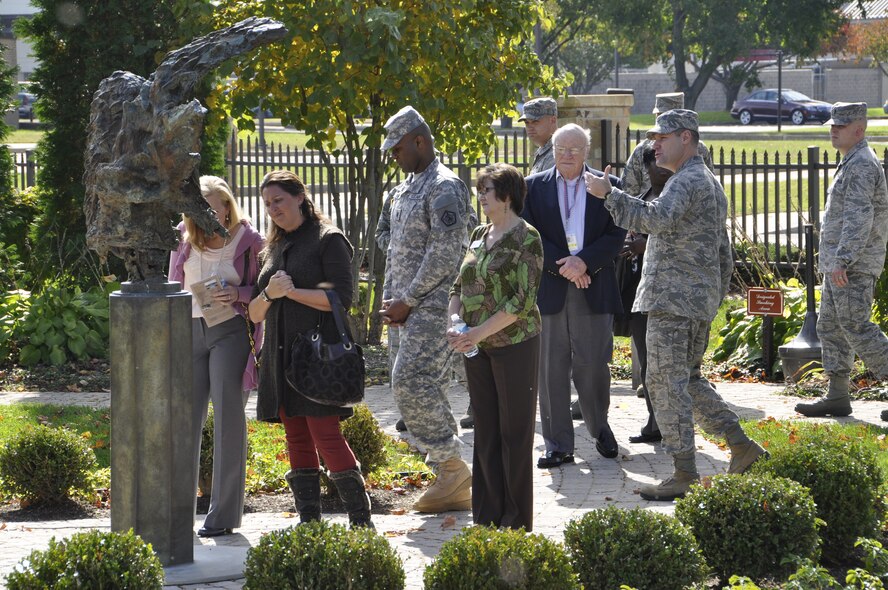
560	494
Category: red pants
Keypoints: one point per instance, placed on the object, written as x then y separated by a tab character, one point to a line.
309	435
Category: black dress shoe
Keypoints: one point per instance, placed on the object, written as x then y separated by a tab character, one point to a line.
212	532
606	444
554	459
646	437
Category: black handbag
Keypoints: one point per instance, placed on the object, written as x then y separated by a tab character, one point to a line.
328	373
628	276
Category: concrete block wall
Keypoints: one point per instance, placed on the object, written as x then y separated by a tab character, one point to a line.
854	85
840	84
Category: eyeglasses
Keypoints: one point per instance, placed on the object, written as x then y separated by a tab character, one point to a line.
561	150
483	190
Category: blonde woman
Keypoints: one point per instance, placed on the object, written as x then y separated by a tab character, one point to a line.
224	367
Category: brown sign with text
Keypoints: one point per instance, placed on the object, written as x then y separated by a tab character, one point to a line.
761	301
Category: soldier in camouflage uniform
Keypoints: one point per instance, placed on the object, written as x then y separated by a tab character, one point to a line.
541	120
635	177
686	274
382	236
852	256
429	213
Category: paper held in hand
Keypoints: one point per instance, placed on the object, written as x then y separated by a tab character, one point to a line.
214	311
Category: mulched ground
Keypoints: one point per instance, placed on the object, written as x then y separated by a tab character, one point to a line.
95	375
382	502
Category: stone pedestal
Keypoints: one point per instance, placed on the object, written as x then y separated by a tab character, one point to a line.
152	458
589	110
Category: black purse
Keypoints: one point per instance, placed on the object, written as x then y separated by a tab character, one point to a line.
331	374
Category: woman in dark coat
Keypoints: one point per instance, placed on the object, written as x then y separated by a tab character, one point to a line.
304	254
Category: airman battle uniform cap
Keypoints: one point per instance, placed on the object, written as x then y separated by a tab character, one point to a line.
538	108
843	113
668	101
672	121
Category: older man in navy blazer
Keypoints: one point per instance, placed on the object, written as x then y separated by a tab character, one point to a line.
578	296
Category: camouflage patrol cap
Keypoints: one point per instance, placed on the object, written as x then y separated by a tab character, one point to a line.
401	123
843	113
538	108
668	101
672	121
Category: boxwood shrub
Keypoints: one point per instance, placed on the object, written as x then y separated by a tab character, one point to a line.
637	547
44	465
323	556
748	524
94	559
486	558
844	479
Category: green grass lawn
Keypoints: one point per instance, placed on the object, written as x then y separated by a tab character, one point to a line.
24	136
267	461
771	433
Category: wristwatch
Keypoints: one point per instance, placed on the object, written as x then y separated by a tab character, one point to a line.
265	296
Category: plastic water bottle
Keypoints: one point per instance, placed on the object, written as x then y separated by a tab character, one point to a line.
460	327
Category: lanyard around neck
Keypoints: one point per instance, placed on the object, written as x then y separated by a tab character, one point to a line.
568	207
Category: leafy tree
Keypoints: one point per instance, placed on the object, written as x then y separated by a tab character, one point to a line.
78	45
7	93
350	65
572	39
701	36
870	40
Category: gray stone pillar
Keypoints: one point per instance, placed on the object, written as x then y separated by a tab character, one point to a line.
588	110
152	457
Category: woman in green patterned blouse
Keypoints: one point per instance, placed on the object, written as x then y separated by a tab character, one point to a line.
495	294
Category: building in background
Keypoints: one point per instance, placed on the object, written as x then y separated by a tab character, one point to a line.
18	51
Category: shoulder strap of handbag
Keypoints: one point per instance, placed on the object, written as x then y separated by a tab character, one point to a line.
338	315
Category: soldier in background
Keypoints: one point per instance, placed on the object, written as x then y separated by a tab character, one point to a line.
541	120
429	214
852	256
686	274
635	177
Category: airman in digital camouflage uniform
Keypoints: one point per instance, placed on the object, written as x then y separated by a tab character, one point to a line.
852	256
686	274
429	213
635	177
541	120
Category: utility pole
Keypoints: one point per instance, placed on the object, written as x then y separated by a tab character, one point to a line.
779	90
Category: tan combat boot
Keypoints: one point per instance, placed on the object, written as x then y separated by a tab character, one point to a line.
684	474
452	490
674	487
744	455
836	403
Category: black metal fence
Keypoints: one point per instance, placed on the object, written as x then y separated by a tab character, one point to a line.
771	195
247	162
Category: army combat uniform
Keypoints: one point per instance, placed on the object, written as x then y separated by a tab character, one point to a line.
429	214
383	237
686	274
853	237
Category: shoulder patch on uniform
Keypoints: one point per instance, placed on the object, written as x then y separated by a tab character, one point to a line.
448	218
